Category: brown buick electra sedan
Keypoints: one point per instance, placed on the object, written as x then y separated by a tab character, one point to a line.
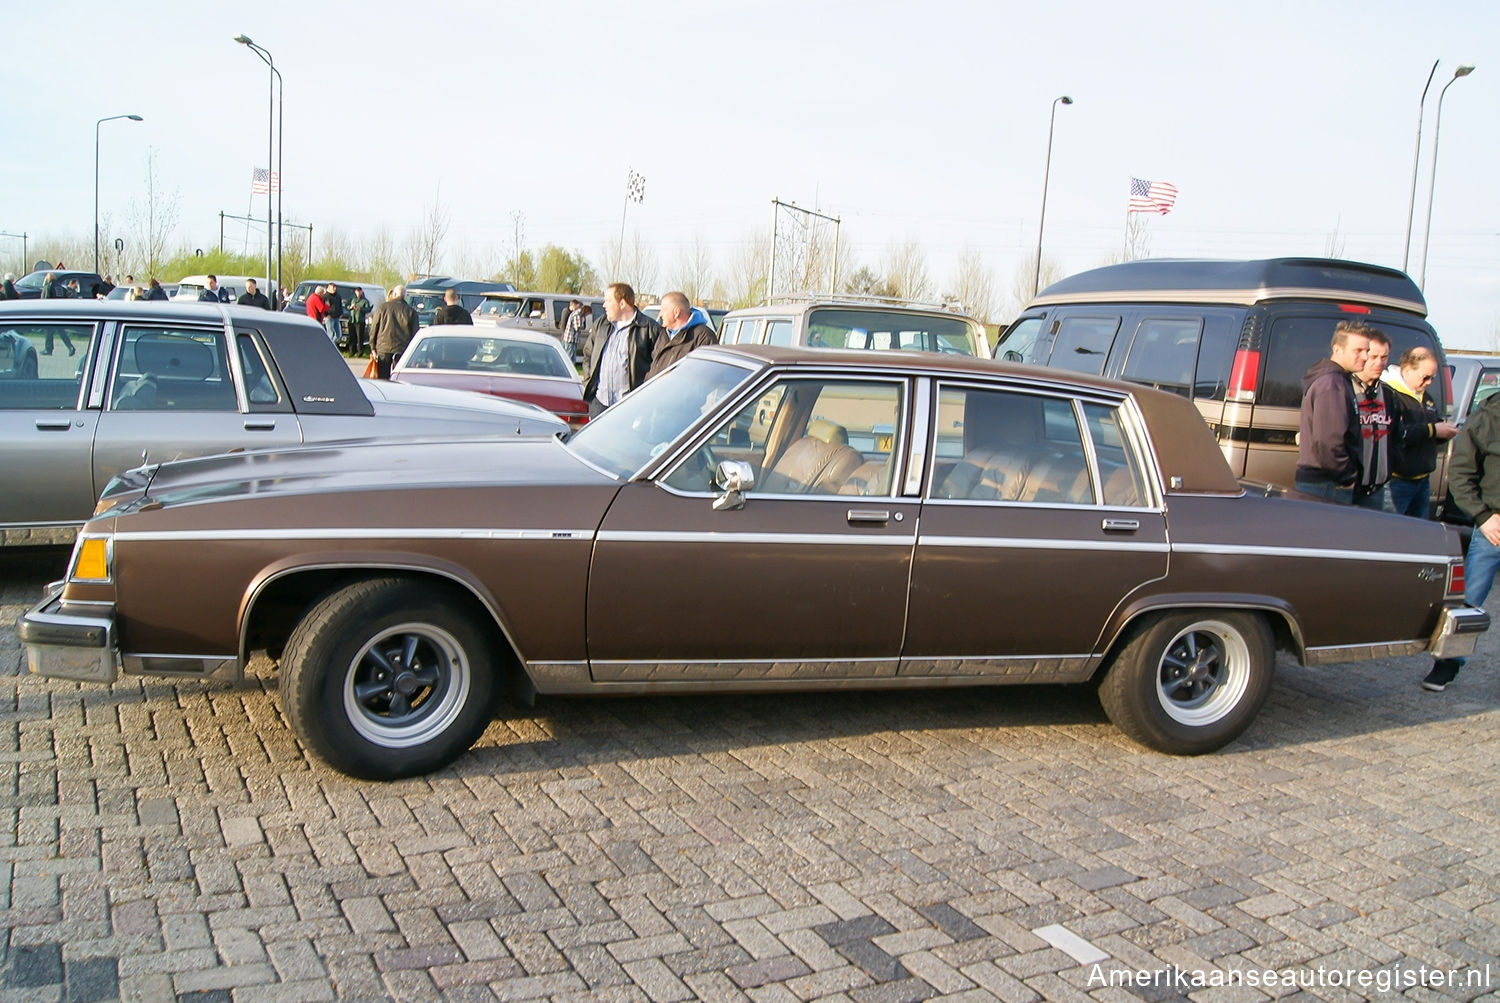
755	519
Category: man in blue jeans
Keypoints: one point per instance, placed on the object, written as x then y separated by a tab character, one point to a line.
1474	479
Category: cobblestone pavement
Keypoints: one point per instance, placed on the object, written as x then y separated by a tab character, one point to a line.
171	841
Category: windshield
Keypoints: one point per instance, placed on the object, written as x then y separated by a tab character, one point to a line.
881	330
648	421
32	281
493	308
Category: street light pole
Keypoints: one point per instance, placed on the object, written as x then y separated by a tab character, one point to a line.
1437	129
1411	205
111	118
1036	278
273	84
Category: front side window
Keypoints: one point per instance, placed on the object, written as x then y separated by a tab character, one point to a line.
806	437
165	369
41	365
1004	446
1019	343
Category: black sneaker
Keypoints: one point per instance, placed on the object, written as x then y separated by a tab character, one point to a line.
1444	671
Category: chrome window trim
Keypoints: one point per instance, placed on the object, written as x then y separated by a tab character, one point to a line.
1135	429
99	374
232	357
1321	553
923	436
168	325
1047	506
1044	543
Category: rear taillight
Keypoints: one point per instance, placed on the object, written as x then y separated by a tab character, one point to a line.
1448	388
1353	308
1456	579
1243	375
576	421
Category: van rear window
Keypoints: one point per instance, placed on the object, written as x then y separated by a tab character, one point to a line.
1298	342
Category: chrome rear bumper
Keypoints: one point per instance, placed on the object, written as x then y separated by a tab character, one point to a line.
1458	632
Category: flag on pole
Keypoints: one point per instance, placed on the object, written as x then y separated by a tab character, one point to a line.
1151	196
635	187
264	182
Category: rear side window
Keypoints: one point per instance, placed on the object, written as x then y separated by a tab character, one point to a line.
1296	342
1082	343
1164	353
778	332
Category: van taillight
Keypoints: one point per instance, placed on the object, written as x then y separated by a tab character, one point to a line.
1353	308
1448	387
1456	579
1243	374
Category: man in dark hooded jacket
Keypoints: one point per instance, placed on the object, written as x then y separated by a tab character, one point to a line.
1329	441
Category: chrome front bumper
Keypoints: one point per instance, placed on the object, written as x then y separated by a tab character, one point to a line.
70	642
1458	632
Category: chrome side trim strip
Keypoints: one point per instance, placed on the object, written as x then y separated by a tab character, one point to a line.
1245	550
744	671
803	539
1000	543
1362	652
355	533
1004	668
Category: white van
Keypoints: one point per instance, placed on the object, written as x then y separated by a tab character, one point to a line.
190	287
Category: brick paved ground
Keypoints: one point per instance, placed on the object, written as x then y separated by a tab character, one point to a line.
170	841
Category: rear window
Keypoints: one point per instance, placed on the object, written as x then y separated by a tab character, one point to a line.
1296	342
881	330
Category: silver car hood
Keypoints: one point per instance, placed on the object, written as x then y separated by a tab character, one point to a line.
409	400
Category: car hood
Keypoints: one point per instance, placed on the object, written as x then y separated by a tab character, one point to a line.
408	400
353	468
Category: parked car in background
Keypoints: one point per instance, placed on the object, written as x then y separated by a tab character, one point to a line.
426	294
544	312
861	322
170	380
1473	379
1234	337
18	356
507	362
860	520
88	284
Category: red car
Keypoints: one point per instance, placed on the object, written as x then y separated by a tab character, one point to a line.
515	364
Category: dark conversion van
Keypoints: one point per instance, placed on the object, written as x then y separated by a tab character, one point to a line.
1234	337
426	294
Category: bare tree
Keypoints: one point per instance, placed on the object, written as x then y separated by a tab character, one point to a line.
380	259
906	271
637	265
152	223
694	274
1333	247
973	284
747	271
1020	288
425	246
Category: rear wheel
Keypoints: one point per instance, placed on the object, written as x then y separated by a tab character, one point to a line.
390	678
1189	683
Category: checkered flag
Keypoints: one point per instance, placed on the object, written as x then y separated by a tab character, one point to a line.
635	187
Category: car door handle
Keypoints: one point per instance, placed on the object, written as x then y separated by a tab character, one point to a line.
260	426
875	515
1121	525
54	424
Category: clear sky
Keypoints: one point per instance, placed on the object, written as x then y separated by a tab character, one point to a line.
1287	127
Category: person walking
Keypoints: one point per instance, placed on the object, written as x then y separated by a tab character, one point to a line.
334	322
8	290
620	349
212	293
359	311
53	290
252	296
156	291
452	311
392	326
316	310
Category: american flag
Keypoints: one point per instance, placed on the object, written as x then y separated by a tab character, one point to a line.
1151	196
264	182
635	187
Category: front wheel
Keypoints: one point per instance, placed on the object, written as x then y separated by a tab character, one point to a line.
390	678
1190	683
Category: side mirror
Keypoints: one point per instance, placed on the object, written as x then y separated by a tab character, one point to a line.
1011	355
732	477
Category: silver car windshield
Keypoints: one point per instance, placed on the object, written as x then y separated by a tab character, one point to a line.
646	423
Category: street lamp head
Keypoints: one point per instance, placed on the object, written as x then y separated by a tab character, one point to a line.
243	39
1463	70
1065	99
134	118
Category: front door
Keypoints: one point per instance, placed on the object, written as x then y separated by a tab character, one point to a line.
807	580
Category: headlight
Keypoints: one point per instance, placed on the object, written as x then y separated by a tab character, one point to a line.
93	559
